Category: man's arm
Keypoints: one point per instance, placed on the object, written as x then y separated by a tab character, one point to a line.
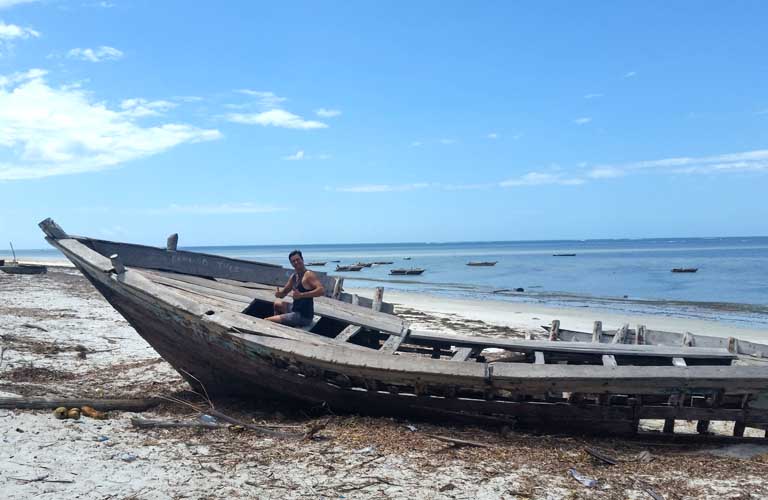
287	288
316	287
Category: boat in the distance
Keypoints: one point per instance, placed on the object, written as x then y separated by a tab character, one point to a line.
406	272
204	314
685	269
563	255
316	264
482	263
353	267
17	268
383	262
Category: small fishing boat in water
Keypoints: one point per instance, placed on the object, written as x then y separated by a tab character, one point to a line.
483	263
348	268
204	314
406	272
685	269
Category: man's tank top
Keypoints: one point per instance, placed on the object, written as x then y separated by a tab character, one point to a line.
305	307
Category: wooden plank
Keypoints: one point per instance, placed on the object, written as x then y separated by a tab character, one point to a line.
640	334
678	362
609	360
378	298
337	288
392	344
554	332
539	357
347	313
688	339
597	332
462	354
529	346
347	333
621	334
38	403
172	243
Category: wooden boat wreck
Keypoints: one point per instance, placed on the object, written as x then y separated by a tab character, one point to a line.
406	272
16	268
483	263
204	315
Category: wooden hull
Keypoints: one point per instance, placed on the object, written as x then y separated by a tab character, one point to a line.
197	325
24	269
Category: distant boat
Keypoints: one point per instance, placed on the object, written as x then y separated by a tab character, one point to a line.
383	262
315	263
16	268
685	269
483	263
563	255
406	258
334	261
408	272
364	264
348	268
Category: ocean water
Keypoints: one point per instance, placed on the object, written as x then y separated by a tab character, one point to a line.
633	276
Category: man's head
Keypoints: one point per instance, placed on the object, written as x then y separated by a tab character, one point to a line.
297	260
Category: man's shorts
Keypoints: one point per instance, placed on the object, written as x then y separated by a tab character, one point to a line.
294	319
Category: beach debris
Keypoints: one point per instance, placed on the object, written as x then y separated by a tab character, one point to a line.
101	439
60	413
34	327
586	481
456	443
73	413
38	403
144	423
601	456
90	412
207	419
411	428
127	457
649	490
645	457
368	450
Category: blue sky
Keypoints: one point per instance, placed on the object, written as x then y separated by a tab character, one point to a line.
342	122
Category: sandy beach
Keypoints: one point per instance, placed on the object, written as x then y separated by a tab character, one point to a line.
60	338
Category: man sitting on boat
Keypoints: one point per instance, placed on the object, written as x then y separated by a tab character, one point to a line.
303	285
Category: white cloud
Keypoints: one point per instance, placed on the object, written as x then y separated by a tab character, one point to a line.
138	107
12	31
46	131
100	54
630	74
583	120
493	135
275	118
267	100
382	188
187	98
298	155
748	161
538	179
327	113
219	209
592	96
4	4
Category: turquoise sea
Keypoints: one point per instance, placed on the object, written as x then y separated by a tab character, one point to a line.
731	283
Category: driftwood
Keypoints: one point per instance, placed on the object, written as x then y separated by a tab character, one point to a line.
260	430
457	442
145	423
601	456
35	403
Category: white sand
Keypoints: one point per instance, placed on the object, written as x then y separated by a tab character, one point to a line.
41	457
531	316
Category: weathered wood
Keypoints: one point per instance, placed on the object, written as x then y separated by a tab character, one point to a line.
172	243
457	442
337	288
38	403
738	428
621	334
462	354
733	345
117	263
539	357
146	423
529	346
378	298
678	362
609	360
597	332
348	332
555	331
640	334
53	230
392	344
669	426
688	339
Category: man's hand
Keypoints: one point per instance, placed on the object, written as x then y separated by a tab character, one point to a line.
279	294
297	295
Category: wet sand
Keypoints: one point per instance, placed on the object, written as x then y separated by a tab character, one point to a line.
59	337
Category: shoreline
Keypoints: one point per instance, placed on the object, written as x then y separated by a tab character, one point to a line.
527	316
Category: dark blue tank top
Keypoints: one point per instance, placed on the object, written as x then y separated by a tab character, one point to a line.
305	307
